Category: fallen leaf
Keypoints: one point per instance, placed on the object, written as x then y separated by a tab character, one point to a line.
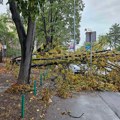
38	110
32	118
41	116
19	105
50	101
7	81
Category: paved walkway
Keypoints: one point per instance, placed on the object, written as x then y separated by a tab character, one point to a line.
95	106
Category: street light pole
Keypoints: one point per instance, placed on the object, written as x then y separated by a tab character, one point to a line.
74	25
90	51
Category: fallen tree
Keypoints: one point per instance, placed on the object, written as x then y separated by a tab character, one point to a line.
72	57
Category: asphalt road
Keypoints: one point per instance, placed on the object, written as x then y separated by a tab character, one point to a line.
93	106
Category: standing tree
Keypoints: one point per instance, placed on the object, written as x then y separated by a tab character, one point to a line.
114	36
102	43
3	29
23	10
55	22
7	31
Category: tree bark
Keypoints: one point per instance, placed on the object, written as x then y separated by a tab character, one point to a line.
0	56
25	67
44	23
49	38
51	21
26	42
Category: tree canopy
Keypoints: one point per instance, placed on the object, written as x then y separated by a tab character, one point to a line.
114	36
55	22
111	39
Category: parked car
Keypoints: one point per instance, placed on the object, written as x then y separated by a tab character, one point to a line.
74	68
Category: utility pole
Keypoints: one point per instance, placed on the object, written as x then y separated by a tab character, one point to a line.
74	25
90	51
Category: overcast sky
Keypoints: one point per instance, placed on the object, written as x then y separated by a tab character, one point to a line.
3	7
98	15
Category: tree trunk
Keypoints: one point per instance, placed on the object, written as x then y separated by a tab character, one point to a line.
0	56
49	38
25	67
26	42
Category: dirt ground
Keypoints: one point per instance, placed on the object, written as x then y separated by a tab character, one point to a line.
10	104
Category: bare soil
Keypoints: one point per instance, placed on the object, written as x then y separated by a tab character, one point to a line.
10	104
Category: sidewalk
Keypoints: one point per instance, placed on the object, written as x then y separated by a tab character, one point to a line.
93	106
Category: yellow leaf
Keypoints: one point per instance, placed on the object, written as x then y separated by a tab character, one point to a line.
38	110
